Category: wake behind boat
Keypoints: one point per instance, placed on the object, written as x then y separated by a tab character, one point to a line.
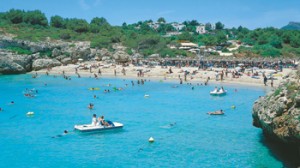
92	127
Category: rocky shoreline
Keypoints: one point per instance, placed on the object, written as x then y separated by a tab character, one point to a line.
278	113
61	53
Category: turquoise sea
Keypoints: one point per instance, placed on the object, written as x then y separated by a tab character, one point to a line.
185	136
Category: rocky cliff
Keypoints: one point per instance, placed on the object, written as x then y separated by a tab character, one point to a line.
278	113
61	53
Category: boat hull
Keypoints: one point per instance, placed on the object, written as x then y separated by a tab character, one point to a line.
218	93
92	128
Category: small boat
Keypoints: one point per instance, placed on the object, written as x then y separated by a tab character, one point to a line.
92	128
94	88
216	113
218	92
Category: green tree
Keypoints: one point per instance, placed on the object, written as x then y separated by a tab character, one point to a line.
221	38
209	40
57	21
262	39
194	23
78	25
208	26
99	21
124	25
161	20
165	28
15	16
186	36
219	26
248	41
35	17
269	51
275	41
295	41
145	28
94	28
286	36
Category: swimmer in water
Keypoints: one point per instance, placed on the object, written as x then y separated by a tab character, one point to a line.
91	106
61	135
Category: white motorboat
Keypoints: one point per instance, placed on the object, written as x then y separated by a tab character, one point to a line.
218	92
91	127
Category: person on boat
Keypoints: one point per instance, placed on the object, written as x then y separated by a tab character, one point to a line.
94	119
216	89
102	121
222	89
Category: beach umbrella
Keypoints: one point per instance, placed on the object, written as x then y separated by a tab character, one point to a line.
240	64
255	68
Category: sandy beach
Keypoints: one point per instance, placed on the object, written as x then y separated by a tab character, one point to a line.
195	76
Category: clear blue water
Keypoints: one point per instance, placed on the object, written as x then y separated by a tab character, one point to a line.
196	140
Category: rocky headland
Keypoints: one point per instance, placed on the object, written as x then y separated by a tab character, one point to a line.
278	113
59	53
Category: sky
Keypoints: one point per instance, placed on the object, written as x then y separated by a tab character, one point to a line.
233	13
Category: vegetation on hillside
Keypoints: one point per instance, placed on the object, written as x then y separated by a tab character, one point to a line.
141	37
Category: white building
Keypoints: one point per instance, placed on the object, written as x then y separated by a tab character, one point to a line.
178	26
200	29
213	26
154	25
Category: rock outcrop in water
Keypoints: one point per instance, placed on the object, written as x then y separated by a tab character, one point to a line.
11	63
278	113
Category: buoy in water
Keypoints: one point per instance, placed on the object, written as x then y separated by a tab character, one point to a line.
151	139
233	107
30	113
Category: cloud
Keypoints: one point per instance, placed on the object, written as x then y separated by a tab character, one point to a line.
84	5
97	3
